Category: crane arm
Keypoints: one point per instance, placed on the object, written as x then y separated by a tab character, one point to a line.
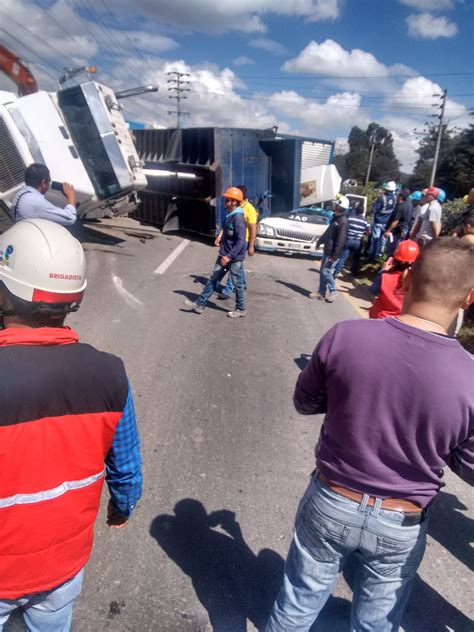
16	70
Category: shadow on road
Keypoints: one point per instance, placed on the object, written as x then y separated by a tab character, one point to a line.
451	528
92	234
197	278
358	291
295	288
192	296
230	581
428	610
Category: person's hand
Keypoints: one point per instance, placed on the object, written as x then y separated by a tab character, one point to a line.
69	193
217	241
251	251
224	261
387	234
388	264
115	519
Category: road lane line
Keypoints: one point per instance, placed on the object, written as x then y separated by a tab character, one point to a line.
161	269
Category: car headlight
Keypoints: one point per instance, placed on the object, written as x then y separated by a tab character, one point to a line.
263	230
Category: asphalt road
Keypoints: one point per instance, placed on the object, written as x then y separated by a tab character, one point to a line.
226	457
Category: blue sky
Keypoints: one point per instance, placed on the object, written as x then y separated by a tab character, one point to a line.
315	67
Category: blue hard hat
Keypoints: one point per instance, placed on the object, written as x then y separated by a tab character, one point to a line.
442	195
416	196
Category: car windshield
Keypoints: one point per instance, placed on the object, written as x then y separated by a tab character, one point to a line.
310	215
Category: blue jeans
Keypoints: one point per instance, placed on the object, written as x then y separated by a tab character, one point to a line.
377	241
218	273
49	611
326	275
328	529
229	286
351	246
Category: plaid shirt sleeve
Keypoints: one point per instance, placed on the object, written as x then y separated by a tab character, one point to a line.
123	462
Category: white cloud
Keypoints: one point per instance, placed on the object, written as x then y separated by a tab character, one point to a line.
213	100
429	5
416	94
148	41
219	16
429	26
242	61
338	111
331	60
269	45
341	146
415	100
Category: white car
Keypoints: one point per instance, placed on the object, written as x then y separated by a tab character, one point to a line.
295	231
299	230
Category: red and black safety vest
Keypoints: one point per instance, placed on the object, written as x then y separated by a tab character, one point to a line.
60	402
389	302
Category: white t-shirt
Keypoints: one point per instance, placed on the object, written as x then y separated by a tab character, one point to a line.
430	212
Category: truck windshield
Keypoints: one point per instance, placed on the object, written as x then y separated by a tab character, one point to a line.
89	141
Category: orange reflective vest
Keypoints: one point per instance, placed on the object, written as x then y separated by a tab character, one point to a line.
60	404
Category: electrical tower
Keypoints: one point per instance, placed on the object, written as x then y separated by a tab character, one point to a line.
176	87
440	133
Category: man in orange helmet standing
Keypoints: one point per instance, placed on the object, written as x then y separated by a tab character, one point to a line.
231	256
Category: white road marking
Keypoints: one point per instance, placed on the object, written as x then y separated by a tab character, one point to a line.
161	269
125	294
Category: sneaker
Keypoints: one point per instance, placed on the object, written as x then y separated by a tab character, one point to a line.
331	297
317	295
223	297
193	306
237	313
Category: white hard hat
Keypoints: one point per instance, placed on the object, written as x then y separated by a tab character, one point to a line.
390	186
41	262
342	201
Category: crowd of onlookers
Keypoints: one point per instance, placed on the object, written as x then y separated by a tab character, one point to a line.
402	223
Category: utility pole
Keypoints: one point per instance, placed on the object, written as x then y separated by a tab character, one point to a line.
176	88
371	155
440	133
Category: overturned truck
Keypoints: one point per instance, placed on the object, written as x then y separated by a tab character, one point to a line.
188	169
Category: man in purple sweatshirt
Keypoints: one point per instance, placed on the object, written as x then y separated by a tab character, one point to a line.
398	400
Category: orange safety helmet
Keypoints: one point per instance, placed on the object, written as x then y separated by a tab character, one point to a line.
233	193
407	251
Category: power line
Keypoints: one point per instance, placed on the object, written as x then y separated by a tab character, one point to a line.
130	41
299	75
110	37
371	94
51	18
266	100
33	52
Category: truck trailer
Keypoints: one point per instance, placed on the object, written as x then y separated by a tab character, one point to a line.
188	170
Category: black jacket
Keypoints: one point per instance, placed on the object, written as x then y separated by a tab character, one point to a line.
334	237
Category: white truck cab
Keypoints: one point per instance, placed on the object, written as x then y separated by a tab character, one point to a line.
80	134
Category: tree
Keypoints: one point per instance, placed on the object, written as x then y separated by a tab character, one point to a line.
385	165
426	151
456	170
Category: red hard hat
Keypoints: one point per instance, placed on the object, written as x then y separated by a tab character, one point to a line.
431	191
233	193
407	251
